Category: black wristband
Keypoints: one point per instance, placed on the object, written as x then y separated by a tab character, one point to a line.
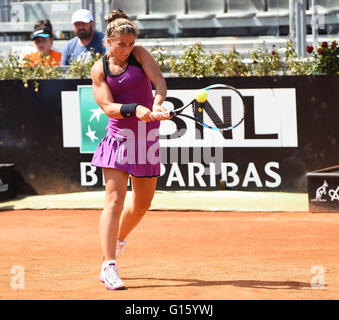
128	109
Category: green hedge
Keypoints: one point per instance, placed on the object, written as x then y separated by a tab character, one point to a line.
197	62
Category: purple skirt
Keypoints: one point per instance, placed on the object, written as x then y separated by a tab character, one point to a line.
140	158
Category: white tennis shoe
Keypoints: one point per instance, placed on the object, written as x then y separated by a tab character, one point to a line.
109	275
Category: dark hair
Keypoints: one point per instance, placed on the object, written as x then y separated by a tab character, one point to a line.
118	21
43	23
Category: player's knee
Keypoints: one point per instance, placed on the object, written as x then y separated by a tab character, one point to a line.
114	203
141	208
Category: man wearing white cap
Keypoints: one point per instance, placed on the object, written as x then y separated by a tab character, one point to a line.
87	39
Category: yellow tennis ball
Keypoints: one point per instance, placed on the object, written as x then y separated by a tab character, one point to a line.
201	96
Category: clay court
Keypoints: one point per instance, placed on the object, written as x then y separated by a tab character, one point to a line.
173	255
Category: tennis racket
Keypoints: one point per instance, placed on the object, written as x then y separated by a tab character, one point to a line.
221	107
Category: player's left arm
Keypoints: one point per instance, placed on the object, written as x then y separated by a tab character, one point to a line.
153	72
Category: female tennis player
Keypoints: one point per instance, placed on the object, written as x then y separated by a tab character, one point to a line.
122	88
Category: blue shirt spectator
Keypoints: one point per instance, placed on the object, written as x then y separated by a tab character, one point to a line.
74	50
87	38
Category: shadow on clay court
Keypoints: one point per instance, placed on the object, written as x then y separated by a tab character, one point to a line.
7	208
272	285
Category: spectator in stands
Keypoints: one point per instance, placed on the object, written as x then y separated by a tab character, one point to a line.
43	41
87	39
30	49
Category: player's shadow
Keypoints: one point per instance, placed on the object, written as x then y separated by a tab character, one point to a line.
259	284
7	207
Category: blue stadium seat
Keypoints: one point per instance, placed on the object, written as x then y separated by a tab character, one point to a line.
240	13
242	8
328	15
4	11
131	8
160	19
327	7
200	14
23	15
163	9
275	8
202	9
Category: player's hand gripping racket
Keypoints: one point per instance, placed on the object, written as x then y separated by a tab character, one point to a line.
214	109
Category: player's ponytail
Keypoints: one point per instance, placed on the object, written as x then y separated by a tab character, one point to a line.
119	22
116	14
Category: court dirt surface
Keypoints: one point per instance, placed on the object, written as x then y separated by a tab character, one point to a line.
173	255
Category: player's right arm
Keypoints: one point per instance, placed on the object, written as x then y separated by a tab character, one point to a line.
103	96
102	93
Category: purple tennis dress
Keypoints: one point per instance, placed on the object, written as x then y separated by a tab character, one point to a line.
130	145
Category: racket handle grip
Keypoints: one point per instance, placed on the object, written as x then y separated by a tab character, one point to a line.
172	113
